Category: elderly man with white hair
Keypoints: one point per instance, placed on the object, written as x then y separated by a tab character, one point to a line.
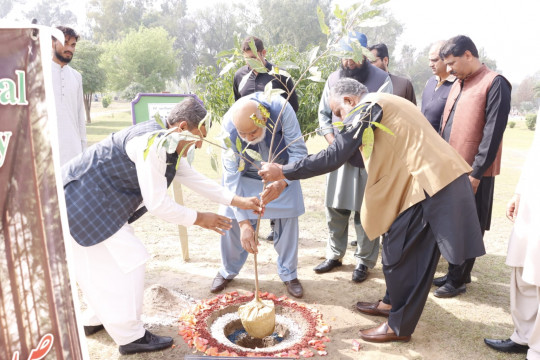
251	123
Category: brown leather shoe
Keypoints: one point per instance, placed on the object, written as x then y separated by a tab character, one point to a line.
381	334
219	283
371	308
294	288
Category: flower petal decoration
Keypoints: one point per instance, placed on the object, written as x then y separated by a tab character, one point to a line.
194	329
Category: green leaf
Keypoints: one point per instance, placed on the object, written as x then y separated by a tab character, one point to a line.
378	2
373	22
206	121
383	128
241	165
368	54
149	144
316	75
191	154
357	50
313	54
226	69
257	65
285	64
213	162
228	142
342	54
253	47
225	53
367	142
157	117
253	154
239	145
279	72
339	125
338	13
244	80
324	28
368	14
269	95
183	150
268	90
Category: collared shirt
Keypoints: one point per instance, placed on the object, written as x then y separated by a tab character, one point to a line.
153	184
70	112
257	82
434	99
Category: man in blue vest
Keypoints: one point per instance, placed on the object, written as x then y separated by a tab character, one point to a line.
254	127
345	186
112	184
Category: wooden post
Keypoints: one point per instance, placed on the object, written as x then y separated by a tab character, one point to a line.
177	193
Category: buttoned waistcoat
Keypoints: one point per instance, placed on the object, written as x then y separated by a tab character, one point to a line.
470	116
406	166
102	189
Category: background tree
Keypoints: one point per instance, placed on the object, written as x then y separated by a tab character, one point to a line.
291	22
112	19
523	95
6	6
145	56
309	92
415	66
208	31
387	34
52	13
86	61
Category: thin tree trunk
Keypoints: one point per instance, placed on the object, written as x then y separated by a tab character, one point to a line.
87	105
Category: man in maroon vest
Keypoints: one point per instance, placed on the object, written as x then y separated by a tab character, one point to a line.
473	122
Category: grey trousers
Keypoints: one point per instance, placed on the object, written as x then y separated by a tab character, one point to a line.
366	252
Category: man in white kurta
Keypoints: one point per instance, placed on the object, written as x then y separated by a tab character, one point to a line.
68	96
523	255
111	185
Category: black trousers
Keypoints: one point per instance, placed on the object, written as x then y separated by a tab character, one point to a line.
410	256
459	274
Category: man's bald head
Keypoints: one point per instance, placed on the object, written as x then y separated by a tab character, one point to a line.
247	129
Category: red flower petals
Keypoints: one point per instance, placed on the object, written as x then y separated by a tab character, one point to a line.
194	330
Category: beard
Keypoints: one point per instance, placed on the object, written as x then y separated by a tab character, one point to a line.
360	73
62	58
256	140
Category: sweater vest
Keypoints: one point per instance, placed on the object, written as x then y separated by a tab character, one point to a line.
102	188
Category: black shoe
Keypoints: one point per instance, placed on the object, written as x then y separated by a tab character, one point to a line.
92	329
326	266
354	243
507	346
219	283
270	236
448	291
149	342
294	288
440	281
360	273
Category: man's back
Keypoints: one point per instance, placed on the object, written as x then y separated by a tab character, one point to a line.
403	87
